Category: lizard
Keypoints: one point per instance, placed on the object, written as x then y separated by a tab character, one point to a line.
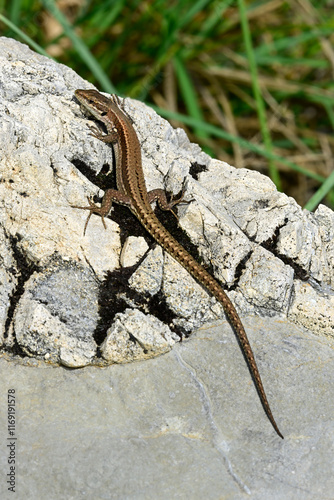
131	191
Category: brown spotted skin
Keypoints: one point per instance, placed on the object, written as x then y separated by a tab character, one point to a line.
131	191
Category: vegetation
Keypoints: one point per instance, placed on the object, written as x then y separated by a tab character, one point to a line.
251	81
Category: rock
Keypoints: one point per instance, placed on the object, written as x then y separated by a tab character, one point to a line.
270	255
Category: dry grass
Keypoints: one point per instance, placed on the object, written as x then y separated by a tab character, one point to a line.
268	98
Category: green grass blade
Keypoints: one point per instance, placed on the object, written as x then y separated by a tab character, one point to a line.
217	132
80	47
189	94
320	194
175	19
24	37
273	171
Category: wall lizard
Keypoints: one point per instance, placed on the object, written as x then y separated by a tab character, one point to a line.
131	191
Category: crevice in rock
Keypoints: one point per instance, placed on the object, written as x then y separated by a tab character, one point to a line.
196	169
239	270
271	245
116	296
26	269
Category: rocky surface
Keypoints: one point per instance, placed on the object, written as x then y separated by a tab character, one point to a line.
187	424
66	295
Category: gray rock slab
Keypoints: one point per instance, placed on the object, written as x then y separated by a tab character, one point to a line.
185	425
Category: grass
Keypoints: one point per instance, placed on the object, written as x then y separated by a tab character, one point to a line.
251	82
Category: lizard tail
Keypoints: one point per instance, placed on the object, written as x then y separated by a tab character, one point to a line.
173	247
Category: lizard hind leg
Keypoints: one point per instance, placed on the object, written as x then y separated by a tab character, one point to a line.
160	196
93	209
110	196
